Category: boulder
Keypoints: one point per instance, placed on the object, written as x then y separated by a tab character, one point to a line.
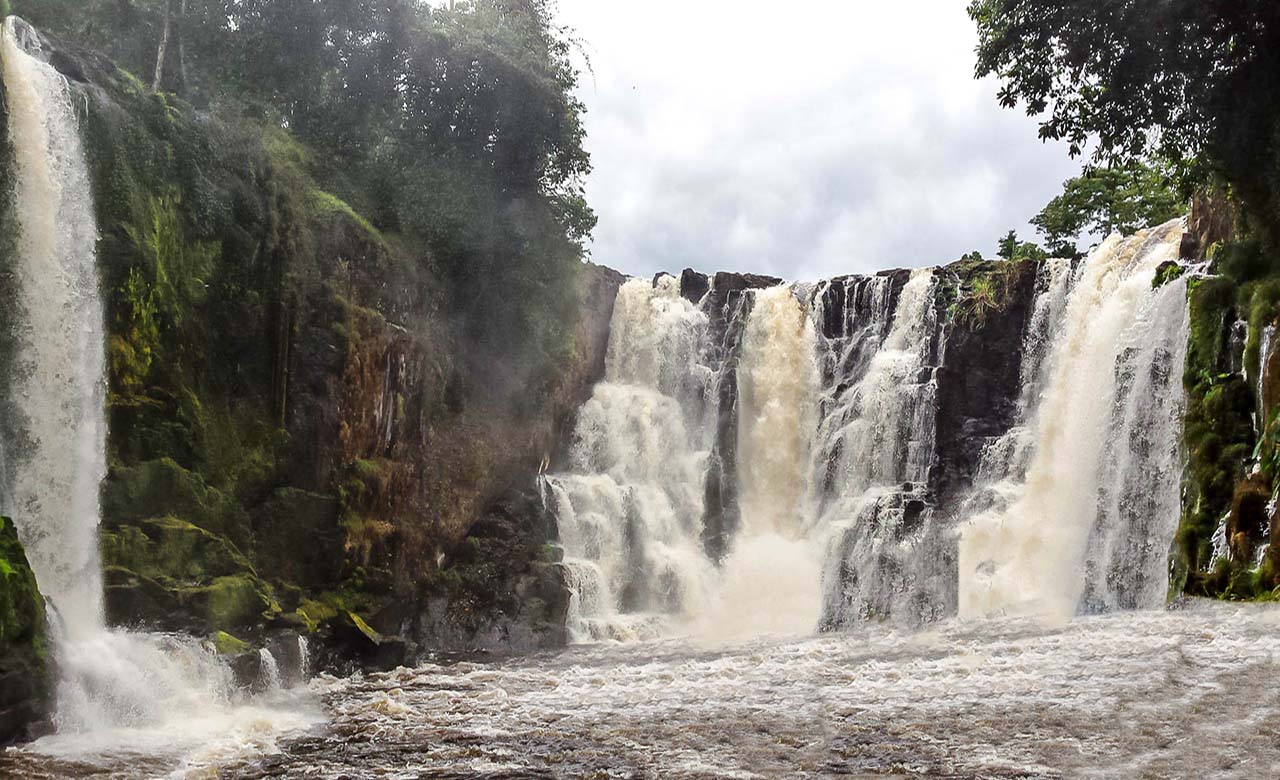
25	669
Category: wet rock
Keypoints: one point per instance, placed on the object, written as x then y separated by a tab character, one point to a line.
161	487
979	381
25	669
693	285
1213	220
299	537
1248	518
502	591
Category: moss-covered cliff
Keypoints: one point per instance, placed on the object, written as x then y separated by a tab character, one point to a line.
302	434
1226	542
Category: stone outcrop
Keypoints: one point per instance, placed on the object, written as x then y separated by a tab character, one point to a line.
978	381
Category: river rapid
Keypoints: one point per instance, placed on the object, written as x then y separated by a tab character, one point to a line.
1181	693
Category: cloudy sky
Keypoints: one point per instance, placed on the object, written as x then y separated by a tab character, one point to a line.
799	139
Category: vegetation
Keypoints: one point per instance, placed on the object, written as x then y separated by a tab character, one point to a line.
455	126
1189	83
1010	248
1122	198
24	645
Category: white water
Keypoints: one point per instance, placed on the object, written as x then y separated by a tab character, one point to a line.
57	382
1128	695
769	582
1072	509
630	513
1088	475
876	447
116	689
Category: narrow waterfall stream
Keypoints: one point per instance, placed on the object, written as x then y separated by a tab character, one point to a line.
117	690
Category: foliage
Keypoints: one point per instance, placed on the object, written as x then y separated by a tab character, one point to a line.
1010	248
457	126
1185	81
1121	198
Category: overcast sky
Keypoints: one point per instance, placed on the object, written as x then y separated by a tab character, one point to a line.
802	140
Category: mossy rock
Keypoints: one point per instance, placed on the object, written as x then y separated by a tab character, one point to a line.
236	603
24	656
134	600
226	644
161	488
230	603
171	549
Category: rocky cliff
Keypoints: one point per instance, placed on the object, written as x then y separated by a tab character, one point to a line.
302	437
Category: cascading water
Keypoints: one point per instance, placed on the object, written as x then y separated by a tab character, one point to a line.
630	514
876	447
53	437
768	583
1095	514
834	408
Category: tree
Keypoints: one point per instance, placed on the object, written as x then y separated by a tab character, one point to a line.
1187	81
1010	248
1122	198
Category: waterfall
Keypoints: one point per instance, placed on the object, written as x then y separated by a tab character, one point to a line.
54	439
53	434
769	581
877	450
1095	513
630	511
778	406
794	430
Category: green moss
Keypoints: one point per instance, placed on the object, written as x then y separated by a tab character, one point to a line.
1167	272
226	644
21	605
1218	430
365	629
162	488
24	643
314	614
325	204
984	289
172	550
233	602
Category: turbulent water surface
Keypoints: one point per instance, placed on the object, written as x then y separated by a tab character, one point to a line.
1172	694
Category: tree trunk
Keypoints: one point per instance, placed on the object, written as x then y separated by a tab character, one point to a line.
162	49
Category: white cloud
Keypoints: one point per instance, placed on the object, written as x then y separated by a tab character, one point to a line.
802	140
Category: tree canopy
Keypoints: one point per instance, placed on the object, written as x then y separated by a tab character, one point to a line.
1121	198
1191	82
456	126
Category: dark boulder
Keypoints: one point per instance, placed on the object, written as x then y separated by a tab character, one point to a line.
25	669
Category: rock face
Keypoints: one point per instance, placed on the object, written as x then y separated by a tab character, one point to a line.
979	377
25	684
